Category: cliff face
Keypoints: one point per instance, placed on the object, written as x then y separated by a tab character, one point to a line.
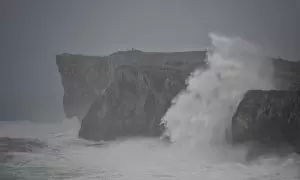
127	93
123	94
271	119
133	103
84	77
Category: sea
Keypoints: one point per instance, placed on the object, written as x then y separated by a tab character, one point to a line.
195	124
70	158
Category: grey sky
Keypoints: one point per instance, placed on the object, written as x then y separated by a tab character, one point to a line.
34	31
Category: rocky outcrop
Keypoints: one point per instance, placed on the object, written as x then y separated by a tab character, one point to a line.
270	119
133	104
127	93
12	145
268	122
85	77
20	145
82	78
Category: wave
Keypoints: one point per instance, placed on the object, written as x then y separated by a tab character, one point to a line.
201	113
199	116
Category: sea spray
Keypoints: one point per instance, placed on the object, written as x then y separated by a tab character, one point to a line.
203	110
201	113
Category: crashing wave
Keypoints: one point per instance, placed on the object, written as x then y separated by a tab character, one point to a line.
202	112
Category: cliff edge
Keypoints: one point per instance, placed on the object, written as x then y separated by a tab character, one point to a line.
127	93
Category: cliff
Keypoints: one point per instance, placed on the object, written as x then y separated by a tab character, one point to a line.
127	93
271	119
84	77
133	104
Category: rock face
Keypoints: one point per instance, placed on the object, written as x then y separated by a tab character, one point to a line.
133	104
128	92
271	119
82	78
85	77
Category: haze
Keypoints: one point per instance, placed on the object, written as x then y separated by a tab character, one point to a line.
33	31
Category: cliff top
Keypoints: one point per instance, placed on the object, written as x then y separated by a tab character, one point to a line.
135	51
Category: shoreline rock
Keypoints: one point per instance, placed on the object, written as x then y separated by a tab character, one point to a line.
269	121
20	145
85	77
133	104
127	93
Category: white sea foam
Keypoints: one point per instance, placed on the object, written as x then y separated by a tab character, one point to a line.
198	117
201	113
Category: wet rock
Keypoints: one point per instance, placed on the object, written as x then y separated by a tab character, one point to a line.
133	104
20	145
85	77
269	121
127	92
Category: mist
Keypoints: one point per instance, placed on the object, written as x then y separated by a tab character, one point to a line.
33	32
201	113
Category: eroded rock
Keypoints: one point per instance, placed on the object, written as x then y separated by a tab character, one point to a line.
269	120
20	145
85	77
127	92
133	104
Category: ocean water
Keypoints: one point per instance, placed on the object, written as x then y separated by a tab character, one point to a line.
195	123
68	157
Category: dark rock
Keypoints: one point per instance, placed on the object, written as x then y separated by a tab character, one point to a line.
133	104
268	120
84	77
20	145
127	92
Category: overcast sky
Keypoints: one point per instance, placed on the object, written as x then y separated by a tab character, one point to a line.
34	31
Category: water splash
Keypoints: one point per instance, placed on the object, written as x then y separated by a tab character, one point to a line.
201	113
